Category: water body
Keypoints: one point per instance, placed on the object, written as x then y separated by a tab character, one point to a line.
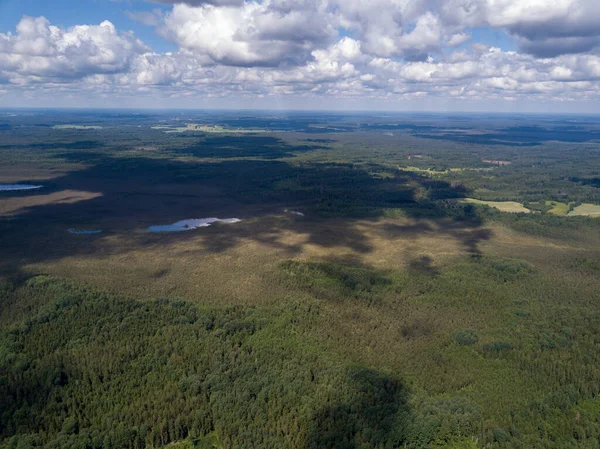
294	212
193	223
13	187
83	232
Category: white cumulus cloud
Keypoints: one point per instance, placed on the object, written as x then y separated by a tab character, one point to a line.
270	33
319	49
41	50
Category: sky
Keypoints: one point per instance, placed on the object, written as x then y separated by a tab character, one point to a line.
423	55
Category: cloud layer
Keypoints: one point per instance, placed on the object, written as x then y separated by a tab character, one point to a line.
372	49
41	52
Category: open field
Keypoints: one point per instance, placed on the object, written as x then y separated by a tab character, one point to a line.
34	173
503	206
76	127
429	171
208	129
589	210
390	312
560	209
18	205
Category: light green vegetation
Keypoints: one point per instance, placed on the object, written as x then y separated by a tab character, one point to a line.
423	170
504	206
558	208
430	171
208	129
589	210
76	127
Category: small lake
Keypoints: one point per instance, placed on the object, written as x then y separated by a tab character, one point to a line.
14	187
193	223
294	212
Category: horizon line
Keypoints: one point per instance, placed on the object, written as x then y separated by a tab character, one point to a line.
291	110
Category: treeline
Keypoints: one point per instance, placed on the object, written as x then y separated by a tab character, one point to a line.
544	225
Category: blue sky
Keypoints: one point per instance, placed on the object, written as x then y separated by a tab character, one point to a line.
73	12
381	54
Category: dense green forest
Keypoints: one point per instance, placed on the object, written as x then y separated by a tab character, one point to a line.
149	373
83	369
361	302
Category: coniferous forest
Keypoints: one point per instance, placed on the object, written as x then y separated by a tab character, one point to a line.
379	291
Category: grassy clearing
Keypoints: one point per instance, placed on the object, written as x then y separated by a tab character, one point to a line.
431	172
234	264
208	129
428	171
558	208
17	173
588	210
503	206
80	127
17	205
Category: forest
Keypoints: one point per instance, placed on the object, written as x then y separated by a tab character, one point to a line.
378	292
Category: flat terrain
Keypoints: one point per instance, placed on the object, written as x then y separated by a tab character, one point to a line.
590	210
558	208
410	305
503	206
76	127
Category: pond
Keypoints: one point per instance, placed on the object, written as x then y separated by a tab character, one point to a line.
294	212
193	223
